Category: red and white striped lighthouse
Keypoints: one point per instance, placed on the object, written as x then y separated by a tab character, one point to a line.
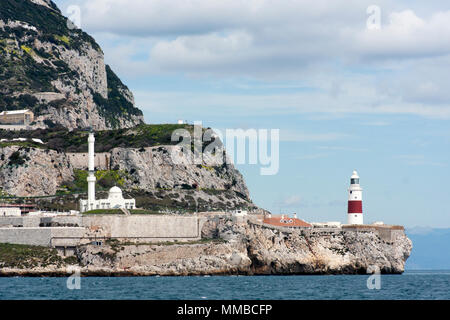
355	213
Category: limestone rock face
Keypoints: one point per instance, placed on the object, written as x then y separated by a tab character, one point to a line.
39	172
255	249
29	171
46	3
245	247
58	71
153	167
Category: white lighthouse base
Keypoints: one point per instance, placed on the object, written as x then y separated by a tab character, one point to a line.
355	218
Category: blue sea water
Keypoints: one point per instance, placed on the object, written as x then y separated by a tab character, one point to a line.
410	285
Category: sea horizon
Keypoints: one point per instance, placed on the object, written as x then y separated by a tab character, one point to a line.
411	285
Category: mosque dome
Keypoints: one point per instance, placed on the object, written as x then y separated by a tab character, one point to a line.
115	192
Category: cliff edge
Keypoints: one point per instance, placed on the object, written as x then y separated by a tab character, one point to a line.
245	248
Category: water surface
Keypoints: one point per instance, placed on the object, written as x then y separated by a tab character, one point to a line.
410	285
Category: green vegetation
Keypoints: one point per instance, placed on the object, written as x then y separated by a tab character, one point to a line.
49	21
23	144
141	136
26	49
184	202
105	180
21	72
24	256
16	159
71	260
64	39
116	104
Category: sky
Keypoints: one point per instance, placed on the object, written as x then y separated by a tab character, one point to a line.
345	94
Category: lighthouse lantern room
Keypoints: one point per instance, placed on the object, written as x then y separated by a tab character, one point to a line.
355	213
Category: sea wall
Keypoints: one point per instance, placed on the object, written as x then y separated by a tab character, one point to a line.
76	230
250	248
26	222
48	237
144	228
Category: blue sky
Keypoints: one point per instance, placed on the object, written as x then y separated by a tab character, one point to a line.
344	97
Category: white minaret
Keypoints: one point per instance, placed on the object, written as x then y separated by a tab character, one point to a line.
355	213
91	177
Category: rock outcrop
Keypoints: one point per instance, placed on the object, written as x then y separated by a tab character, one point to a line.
153	167
249	248
149	174
30	171
58	71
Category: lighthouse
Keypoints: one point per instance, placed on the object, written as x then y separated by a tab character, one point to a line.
355	213
91	176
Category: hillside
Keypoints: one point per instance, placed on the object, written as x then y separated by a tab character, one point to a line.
57	71
54	165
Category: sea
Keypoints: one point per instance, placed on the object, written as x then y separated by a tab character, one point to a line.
415	285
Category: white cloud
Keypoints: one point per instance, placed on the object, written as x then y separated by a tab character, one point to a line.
325	45
405	36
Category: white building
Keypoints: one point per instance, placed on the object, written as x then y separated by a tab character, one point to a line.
10	212
328	224
115	199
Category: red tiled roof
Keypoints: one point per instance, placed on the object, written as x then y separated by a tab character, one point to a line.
286	222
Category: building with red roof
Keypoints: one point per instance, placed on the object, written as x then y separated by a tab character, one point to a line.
282	221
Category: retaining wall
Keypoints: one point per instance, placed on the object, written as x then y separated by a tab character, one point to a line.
146	228
42	236
80	160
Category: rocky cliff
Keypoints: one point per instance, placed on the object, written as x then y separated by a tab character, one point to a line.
247	248
139	160
32	172
58	71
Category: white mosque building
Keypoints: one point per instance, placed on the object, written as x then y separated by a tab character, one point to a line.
115	198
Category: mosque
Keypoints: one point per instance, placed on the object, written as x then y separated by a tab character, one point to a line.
115	198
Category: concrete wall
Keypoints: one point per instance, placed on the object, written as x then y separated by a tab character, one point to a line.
14	127
42	236
62	231
146	227
386	232
62	221
11	221
80	160
24	221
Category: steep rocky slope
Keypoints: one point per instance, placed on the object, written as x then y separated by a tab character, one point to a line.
58	71
139	160
247	248
30	171
254	249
